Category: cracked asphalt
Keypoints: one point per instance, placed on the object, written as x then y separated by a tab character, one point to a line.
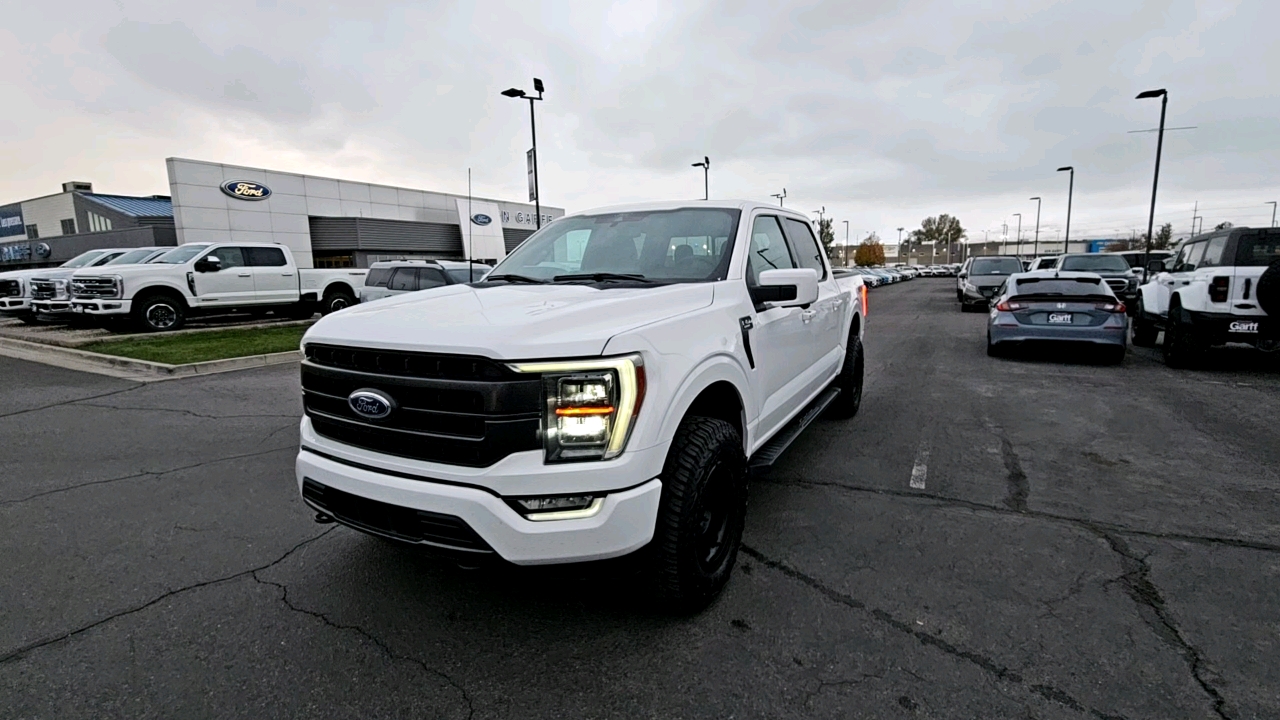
1089	541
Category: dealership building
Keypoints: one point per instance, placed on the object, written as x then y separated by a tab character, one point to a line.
325	222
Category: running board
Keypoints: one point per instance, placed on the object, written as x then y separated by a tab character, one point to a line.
767	455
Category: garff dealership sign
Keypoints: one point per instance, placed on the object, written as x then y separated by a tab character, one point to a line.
245	190
11	222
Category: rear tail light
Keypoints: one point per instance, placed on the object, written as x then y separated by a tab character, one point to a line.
1218	289
1115	307
1007	306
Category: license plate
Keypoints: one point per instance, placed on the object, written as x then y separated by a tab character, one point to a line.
1060	318
1241	326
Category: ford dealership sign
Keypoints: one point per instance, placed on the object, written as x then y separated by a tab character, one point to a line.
481	219
244	190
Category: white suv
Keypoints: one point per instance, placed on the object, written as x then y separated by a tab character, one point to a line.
605	389
1221	287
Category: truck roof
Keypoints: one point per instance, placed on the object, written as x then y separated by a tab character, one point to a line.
691	204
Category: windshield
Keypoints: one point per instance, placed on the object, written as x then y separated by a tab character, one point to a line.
1093	263
132	257
687	245
181	254
995	266
83	259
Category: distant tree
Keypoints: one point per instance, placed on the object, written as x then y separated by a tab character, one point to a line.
1161	242
869	252
1223	225
943	230
826	235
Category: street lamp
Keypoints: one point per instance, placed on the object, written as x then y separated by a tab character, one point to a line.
846	243
1019	250
1155	182
1071	188
533	129
1272	203
781	196
706	169
1035	252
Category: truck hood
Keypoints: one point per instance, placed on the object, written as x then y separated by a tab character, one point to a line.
125	271
512	322
20	274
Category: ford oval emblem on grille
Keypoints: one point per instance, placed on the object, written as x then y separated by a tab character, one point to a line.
370	404
245	190
481	219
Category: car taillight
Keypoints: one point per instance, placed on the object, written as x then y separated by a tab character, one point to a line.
1218	289
1007	306
1115	307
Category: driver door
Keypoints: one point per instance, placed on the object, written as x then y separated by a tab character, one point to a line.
230	286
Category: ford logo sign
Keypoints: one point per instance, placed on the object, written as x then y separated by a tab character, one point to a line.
481	219
245	190
370	404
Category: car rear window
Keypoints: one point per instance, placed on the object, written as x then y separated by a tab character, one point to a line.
995	266
377	277
1258	250
1094	263
1061	286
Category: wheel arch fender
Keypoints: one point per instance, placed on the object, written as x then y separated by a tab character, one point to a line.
1149	295
712	381
161	288
336	286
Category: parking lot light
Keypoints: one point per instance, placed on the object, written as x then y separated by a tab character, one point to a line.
1036	248
1071	188
533	128
1155	182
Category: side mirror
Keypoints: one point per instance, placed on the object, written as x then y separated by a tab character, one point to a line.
963	275
210	263
1155	266
786	288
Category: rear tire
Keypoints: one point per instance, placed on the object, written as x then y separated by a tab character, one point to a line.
30	319
336	300
849	381
159	313
1181	349
993	349
700	515
1115	356
300	311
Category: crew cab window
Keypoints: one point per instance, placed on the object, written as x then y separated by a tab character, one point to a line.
1189	257
430	278
768	249
231	257
806	246
265	257
106	259
1213	252
1257	250
377	277
405	278
644	243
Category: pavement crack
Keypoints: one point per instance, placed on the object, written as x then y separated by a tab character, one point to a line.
988	665
377	641
142	474
1151	604
72	401
1018	489
19	652
191	413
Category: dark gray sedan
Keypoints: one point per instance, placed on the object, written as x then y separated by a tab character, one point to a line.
981	277
1057	306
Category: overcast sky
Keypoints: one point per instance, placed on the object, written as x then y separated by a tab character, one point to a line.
881	112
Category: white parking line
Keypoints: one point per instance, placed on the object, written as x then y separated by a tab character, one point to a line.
921	469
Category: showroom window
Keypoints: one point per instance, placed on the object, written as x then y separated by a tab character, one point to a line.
32	232
69	227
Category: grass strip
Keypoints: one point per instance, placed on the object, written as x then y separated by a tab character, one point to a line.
200	347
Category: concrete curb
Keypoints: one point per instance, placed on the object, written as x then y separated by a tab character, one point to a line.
129	368
76	342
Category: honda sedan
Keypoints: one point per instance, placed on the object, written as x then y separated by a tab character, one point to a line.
1074	307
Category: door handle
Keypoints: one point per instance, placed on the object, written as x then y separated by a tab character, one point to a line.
286	274
246	275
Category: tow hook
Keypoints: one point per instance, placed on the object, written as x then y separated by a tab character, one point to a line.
323	519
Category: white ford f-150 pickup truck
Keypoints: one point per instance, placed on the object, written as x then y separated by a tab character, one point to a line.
208	278
604	390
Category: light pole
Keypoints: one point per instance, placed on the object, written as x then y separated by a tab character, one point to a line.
1071	188
900	246
533	129
1155	182
781	196
1273	211
1036	248
1019	250
706	170
846	243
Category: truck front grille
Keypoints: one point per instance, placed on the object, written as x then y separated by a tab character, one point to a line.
1117	284
43	290
449	409
401	523
10	288
93	287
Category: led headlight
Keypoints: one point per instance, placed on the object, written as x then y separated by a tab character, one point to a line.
589	406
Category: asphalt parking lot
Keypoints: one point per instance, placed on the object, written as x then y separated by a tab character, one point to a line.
1038	537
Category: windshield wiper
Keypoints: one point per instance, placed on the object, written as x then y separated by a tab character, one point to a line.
605	277
511	278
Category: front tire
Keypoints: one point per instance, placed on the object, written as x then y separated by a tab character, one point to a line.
1144	330
849	381
701	514
160	313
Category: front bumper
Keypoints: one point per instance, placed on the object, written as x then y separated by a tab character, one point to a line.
104	306
624	523
979	296
52	307
14	306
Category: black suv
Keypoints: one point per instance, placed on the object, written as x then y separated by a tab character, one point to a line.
1112	268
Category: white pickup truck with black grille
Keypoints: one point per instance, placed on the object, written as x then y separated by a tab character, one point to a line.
1221	287
604	390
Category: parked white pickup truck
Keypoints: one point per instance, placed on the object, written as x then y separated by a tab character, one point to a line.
603	391
208	278
15	285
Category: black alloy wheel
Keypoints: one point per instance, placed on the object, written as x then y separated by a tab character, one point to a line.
160	313
337	300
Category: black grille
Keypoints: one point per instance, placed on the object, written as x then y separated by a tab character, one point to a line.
10	288
401	523
449	409
1117	284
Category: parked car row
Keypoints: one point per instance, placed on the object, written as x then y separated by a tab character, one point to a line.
877	276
